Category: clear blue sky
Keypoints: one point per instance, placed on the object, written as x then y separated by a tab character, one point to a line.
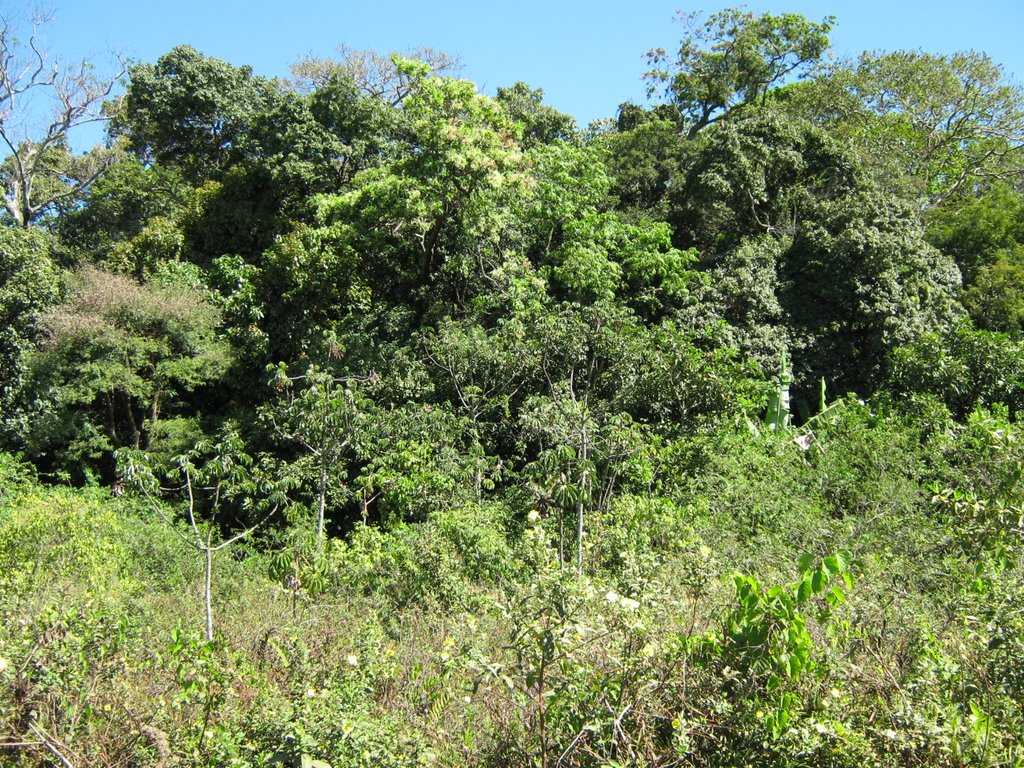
587	56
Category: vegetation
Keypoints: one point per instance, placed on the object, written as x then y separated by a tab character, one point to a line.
361	419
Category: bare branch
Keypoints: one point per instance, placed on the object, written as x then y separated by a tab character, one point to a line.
239	536
27	79
375	74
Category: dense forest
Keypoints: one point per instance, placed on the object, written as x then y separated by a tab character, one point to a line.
358	418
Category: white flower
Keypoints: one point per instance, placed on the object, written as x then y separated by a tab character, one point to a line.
352	659
534	516
612	597
629	603
4	664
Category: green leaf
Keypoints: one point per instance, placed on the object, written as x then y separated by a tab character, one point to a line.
803	589
844	558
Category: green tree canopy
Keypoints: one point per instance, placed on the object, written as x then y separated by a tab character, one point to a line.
191	111
732	60
117	361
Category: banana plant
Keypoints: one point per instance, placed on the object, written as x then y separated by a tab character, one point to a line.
778	416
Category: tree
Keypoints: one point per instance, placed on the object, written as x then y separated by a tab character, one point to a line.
644	153
191	112
753	176
29	283
41	172
211	479
541	123
802	250
320	413
130	204
426	214
965	368
858	281
741	298
979	230
377	75
732	60
944	123
116	360
995	300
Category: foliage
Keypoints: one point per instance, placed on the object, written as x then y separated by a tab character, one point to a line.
733	59
542	124
492	482
321	414
938	124
29	283
757	175
966	369
129	199
643	155
117	362
867	255
189	111
978	230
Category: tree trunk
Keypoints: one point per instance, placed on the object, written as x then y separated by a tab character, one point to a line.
208	592
322	502
581	504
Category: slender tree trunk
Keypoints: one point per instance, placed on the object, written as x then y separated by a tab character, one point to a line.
561	536
208	592
129	417
112	417
581	504
154	415
322	502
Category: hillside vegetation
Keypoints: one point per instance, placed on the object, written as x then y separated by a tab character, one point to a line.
361	419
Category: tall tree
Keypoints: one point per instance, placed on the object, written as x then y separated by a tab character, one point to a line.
191	112
929	127
376	75
732	60
40	172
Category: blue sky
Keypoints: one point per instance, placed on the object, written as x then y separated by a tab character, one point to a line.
587	56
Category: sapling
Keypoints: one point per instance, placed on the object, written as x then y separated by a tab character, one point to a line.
320	413
207	479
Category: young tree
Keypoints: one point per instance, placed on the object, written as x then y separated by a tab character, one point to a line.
320	413
210	479
40	172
